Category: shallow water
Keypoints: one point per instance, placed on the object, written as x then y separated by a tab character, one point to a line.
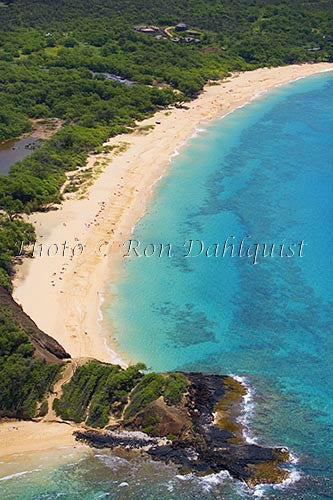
264	171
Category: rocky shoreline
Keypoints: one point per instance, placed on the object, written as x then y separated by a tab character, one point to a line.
190	419
203	446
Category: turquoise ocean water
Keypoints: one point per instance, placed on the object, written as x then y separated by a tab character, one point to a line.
264	172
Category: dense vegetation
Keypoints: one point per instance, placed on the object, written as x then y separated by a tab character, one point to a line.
95	391
96	111
98	391
54	58
154	385
262	31
12	233
24	380
54	61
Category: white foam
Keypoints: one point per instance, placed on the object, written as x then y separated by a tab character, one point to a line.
293	459
211	480
294	477
175	153
170	486
111	461
326	70
305	76
114	356
101	302
18	474
261	489
247	410
197	132
206	482
260	93
185	477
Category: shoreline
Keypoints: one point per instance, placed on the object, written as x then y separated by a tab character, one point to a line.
27	446
25	436
118	199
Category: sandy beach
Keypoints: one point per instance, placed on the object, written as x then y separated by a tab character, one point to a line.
63	292
18	437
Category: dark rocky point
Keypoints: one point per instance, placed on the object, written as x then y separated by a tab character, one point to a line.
209	438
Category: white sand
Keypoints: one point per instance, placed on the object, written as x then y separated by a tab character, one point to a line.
25	436
70	310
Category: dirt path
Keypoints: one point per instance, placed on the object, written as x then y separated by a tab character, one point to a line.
57	390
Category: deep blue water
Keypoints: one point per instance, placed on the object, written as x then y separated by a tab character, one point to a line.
265	171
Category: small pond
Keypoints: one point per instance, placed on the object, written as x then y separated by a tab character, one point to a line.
15	150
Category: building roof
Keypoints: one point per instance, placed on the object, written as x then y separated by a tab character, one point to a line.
181	26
